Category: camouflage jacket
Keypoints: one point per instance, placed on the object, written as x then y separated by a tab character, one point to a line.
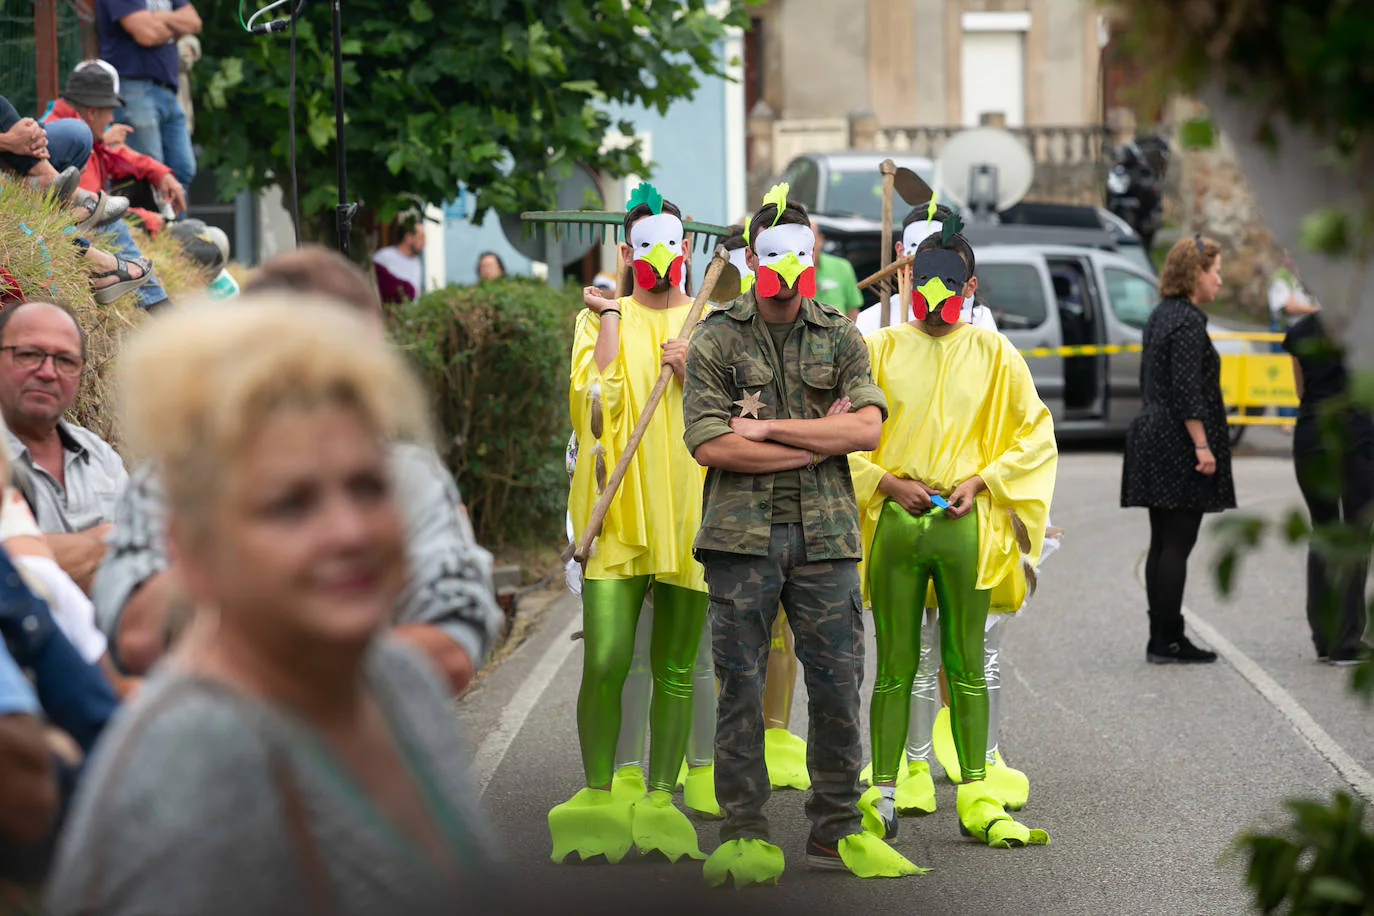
731	359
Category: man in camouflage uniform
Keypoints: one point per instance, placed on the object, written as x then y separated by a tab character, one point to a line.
777	392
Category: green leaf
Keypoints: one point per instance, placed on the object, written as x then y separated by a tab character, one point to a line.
420	11
1197	133
1326	231
1335	890
1296	527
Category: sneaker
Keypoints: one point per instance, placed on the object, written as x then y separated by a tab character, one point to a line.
825	857
1344	659
1181	651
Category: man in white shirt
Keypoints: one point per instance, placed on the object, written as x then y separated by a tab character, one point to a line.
918	224
400	269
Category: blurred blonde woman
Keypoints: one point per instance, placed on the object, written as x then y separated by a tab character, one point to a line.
286	758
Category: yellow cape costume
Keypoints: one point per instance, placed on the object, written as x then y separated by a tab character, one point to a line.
961	405
656	512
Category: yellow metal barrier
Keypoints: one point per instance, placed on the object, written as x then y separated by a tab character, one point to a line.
1249	381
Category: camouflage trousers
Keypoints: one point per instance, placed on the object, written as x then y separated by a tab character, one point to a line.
823	607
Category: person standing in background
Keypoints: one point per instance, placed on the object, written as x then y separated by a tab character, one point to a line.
491	267
138	37
1178	449
835	281
1337	484
400	269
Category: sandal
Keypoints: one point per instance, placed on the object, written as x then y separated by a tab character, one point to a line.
62	185
126	281
103	209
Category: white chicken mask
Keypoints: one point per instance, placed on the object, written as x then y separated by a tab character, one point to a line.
787	255
739	257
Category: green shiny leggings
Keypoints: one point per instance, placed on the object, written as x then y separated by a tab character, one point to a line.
908	552
610	614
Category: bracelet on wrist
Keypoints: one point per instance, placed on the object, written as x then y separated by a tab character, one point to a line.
1202	447
604	312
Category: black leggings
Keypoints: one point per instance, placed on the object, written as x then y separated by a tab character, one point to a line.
1173	532
1335	594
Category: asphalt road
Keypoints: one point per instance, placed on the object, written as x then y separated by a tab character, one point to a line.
1142	774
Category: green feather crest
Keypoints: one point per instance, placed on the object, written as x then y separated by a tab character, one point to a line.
950	228
746	230
777	195
646	194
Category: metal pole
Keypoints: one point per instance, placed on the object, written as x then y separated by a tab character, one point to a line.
45	51
345	211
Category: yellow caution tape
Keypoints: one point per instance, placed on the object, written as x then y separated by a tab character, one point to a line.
1087	350
1248	380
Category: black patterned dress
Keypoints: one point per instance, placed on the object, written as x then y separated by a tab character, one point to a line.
1180	377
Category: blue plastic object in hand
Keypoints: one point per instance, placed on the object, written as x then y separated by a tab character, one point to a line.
939	501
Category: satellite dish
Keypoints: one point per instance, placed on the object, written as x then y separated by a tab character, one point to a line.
579	190
985	170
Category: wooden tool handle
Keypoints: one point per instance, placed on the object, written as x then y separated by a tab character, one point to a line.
603	503
889	270
888	168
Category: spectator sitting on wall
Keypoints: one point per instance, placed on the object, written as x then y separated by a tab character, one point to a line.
91	96
138	37
400	269
74	475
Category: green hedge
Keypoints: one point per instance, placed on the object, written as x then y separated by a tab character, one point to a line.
495	359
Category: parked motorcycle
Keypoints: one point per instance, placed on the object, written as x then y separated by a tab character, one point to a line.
1135	184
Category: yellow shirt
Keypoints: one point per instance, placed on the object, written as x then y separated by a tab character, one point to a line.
656	512
958	406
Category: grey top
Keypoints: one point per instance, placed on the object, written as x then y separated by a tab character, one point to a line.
180	810
94	475
450	575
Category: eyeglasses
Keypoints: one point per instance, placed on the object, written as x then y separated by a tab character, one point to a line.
32	358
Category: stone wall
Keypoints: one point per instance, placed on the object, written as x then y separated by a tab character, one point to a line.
1208	193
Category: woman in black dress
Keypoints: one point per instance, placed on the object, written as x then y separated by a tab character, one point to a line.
1335	469
1178	452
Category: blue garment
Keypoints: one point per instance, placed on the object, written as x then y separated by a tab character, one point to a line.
1279	325
132	60
69	143
159	126
16	693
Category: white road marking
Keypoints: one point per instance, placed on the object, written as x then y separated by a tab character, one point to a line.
1359	779
498	741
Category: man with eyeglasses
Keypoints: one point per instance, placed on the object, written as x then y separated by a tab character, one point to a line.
74	476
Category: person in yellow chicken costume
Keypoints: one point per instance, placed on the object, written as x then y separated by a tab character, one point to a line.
620	347
954	498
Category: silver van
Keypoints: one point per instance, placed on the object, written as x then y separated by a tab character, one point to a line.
1052	296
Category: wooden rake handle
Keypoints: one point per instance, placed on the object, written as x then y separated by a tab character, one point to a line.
603	503
888	168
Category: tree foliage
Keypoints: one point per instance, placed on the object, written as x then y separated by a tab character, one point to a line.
501	95
1302	63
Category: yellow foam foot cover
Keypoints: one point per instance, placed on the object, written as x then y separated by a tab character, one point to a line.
942	737
747	861
916	793
869	857
982	816
660	827
866	774
699	792
592	823
785	755
627	784
872	821
1008	784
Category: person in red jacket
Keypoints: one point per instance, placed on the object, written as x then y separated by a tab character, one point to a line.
91	96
